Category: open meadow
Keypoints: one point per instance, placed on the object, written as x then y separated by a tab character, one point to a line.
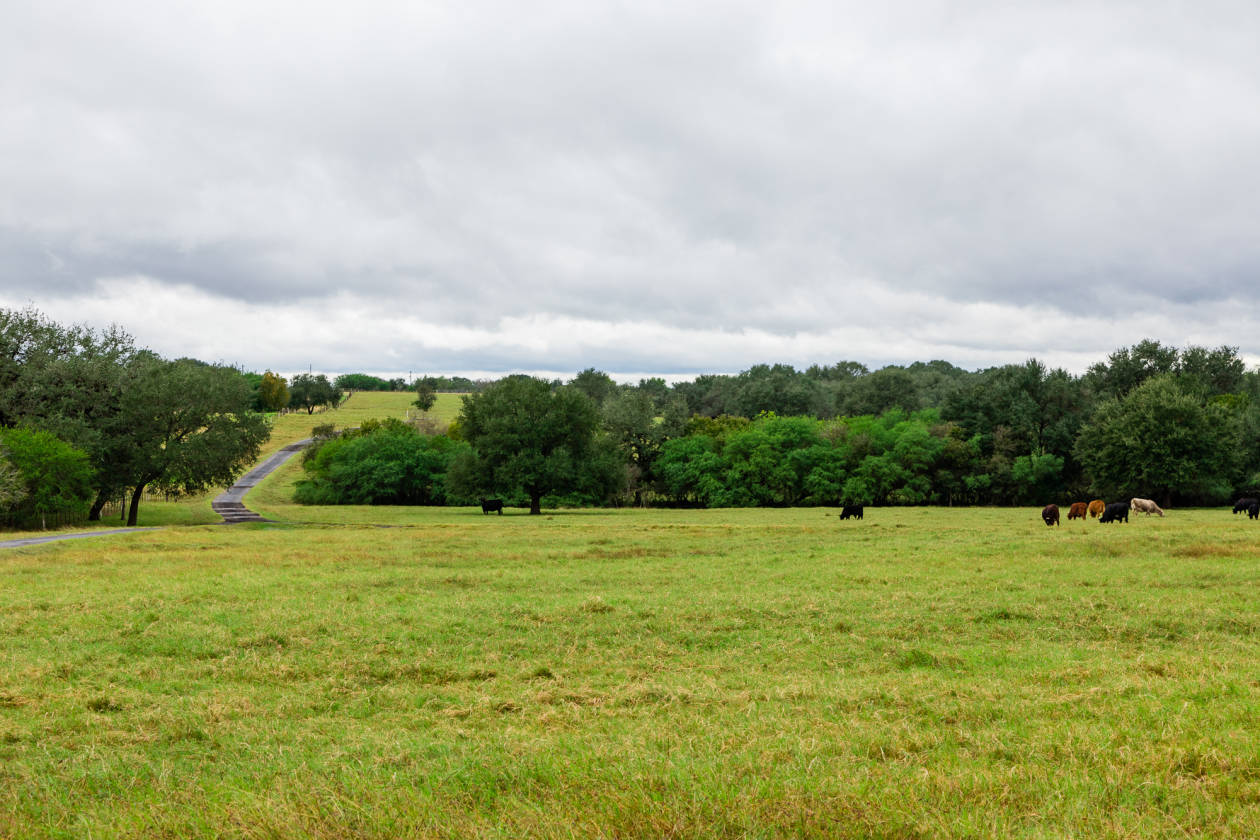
924	672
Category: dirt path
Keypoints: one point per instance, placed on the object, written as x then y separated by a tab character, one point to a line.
229	504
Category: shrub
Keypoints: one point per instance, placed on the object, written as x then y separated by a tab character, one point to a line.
56	478
381	463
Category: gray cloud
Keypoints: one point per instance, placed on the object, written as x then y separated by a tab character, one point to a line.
810	175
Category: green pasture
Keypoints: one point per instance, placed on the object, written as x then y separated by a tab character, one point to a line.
924	672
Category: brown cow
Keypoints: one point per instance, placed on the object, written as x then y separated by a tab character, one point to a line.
1096	508
1050	513
1145	506
1077	511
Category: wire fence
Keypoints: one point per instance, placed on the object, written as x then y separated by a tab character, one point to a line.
25	521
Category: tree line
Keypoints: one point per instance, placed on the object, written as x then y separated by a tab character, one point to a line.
88	417
1179	425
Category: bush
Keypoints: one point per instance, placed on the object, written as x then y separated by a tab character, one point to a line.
56	478
381	463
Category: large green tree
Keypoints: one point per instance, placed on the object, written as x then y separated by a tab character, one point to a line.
530	439
273	392
1164	441
312	391
67	381
183	426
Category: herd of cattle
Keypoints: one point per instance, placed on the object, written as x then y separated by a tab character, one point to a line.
1119	511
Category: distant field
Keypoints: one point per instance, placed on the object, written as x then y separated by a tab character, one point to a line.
362	405
754	673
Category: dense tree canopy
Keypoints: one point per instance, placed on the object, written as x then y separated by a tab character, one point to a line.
531	439
380	463
1163	441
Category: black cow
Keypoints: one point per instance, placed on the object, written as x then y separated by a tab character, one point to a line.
1244	505
492	506
854	511
1050	514
1115	512
1254	511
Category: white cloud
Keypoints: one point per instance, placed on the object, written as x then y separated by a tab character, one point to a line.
659	186
348	332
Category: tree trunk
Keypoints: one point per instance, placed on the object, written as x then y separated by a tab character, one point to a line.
94	513
535	505
133	512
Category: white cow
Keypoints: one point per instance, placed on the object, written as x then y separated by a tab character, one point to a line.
1145	506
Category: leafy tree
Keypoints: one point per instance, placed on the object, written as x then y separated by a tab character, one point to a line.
889	387
12	487
1129	367
183	427
313	391
381	463
779	389
631	424
596	384
1212	372
1161	441
362	382
692	471
1038	476
67	381
656	388
56	477
528	439
273	392
426	397
709	395
449	384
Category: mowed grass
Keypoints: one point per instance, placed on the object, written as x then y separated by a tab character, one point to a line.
752	673
359	406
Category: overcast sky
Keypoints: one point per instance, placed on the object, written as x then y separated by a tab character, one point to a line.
640	187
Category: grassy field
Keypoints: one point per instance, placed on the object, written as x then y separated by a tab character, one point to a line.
752	673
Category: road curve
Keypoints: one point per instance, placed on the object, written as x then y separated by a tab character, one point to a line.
229	504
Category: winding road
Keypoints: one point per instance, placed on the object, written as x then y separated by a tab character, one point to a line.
230	504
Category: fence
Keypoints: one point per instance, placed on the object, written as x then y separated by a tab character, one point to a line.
41	522
61	519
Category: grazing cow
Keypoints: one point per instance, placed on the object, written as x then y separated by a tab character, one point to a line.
492	506
1244	505
1076	511
1145	506
854	511
1253	512
1096	508
1115	512
1050	513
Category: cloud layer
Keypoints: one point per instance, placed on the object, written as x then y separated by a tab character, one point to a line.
637	187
